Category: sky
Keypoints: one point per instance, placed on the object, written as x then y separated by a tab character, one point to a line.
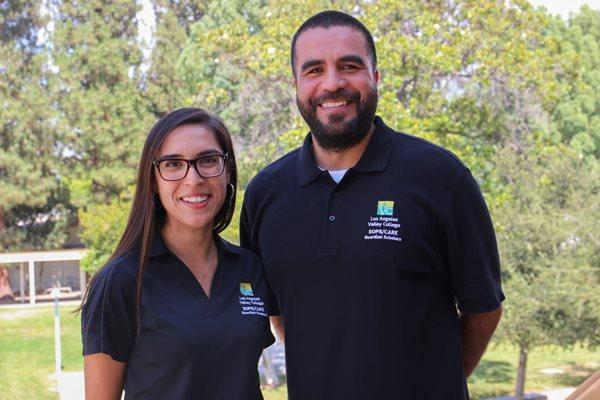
564	7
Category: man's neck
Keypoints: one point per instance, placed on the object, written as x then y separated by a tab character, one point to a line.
333	160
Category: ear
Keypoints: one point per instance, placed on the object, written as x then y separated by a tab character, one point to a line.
376	76
295	83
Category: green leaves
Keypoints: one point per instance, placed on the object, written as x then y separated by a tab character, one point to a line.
544	222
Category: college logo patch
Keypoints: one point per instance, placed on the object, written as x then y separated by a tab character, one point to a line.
251	304
383	226
385	207
246	289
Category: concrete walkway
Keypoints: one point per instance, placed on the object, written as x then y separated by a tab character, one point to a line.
556	394
70	386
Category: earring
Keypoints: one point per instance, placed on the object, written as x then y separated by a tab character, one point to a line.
230	185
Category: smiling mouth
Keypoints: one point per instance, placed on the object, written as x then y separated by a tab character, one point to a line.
195	199
334	104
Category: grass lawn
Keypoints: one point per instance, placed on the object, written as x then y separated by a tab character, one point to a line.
27	360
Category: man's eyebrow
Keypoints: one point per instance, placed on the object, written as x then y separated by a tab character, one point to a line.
310	63
352	58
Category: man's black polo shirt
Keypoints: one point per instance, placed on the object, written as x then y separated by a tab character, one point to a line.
189	346
369	272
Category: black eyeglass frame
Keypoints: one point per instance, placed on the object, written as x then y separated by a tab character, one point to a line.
189	163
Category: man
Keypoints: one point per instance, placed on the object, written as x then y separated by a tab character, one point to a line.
371	239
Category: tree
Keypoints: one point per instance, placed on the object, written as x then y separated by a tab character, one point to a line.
468	75
577	116
547	222
34	212
102	114
164	88
104	119
223	69
34	209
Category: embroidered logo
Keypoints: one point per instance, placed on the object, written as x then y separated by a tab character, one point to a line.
383	226
246	289
385	207
250	304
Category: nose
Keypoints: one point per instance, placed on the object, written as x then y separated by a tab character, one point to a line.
333	80
193	177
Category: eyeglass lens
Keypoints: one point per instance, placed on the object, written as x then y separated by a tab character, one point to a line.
206	166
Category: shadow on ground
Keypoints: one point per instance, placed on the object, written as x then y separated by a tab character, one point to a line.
493	371
490	378
575	375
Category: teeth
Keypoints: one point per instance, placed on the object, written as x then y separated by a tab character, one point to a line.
194	199
331	104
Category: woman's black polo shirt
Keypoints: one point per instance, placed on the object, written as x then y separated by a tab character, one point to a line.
189	346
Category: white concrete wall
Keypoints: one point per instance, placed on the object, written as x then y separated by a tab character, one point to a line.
48	274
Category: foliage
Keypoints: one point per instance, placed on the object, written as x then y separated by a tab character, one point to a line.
103	118
577	115
511	90
102	228
451	71
34	212
164	88
215	66
547	223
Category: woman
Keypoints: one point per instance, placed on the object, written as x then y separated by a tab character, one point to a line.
177	312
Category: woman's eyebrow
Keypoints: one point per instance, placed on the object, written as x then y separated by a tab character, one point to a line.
202	153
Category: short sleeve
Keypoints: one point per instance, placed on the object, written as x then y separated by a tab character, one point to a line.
108	315
248	241
246	226
272	303
472	251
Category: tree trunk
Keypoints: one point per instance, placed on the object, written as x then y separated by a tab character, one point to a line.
6	293
520	389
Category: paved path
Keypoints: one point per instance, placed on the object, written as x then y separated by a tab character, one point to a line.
70	386
557	394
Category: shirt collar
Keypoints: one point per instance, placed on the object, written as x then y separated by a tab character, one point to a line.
158	246
378	151
375	157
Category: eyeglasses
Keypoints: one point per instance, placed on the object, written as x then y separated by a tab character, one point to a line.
176	169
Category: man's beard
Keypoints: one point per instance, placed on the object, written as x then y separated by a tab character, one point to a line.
349	133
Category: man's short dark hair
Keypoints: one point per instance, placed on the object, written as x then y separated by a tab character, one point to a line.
327	19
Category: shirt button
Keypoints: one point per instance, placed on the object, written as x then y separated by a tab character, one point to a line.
331	218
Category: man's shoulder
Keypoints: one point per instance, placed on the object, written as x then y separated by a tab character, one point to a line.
280	170
420	152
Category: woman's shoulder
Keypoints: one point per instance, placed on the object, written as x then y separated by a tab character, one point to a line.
120	271
237	250
242	258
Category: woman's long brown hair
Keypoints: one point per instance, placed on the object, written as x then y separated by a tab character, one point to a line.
147	214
